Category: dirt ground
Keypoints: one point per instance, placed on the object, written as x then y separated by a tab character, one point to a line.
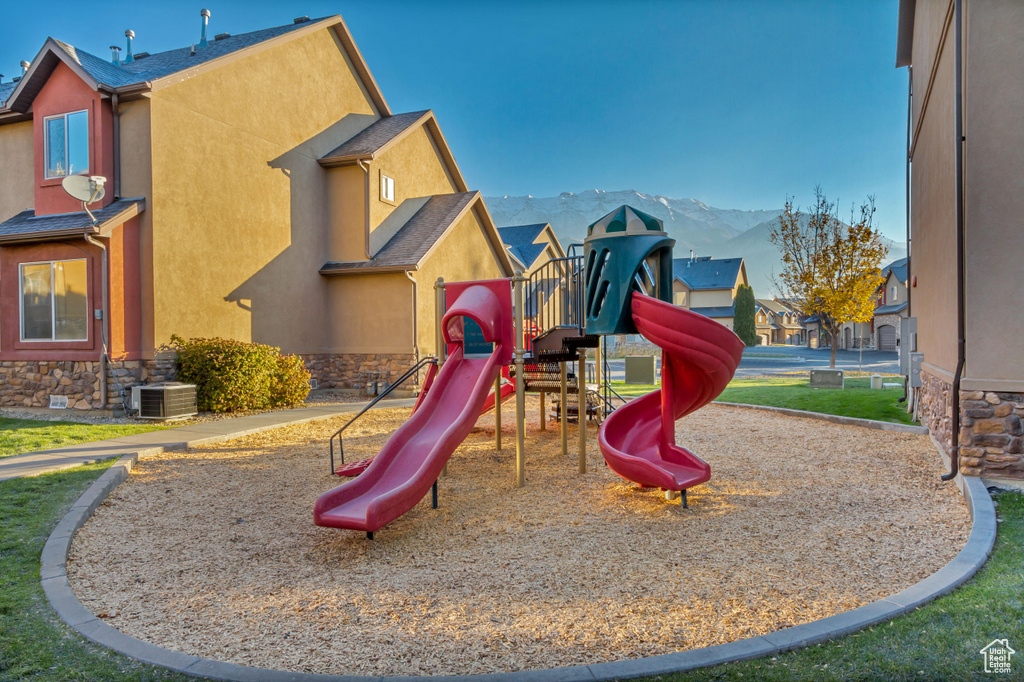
213	552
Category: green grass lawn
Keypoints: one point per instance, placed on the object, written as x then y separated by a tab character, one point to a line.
34	643
28	435
939	641
856	400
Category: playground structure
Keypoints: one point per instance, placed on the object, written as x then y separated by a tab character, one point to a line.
621	284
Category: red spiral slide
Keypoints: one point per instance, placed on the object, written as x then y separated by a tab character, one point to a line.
402	473
699	358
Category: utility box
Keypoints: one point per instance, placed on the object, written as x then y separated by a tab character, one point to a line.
907	342
640	369
827	378
916	359
876	381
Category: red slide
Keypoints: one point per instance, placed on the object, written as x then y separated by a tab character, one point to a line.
699	358
508	391
402	473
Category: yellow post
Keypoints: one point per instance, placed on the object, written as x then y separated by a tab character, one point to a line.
439	347
581	408
600	375
563	422
543	417
520	383
497	413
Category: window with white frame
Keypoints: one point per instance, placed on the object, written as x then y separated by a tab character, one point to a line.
892	294
54	305
387	188
67	144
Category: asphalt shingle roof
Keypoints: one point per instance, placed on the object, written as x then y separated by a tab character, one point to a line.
27	225
5	90
707	273
519	241
416	237
890	309
165	63
898	268
379	133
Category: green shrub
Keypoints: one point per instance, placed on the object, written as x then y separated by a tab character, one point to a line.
233	375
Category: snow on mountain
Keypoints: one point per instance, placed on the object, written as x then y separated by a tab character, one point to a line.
709	231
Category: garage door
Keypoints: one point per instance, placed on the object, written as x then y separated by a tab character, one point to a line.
887	337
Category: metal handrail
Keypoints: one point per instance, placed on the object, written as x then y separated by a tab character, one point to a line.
555	294
337	434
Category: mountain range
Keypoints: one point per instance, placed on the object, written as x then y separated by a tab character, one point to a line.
708	231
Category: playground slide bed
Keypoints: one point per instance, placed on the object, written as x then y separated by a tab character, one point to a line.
213	552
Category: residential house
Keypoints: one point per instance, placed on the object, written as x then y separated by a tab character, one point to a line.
891	306
708	286
966	151
531	246
778	323
259	188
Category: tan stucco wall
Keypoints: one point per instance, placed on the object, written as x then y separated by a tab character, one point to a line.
464	255
346	210
994	190
17	188
933	208
239	201
370	314
417	169
705	299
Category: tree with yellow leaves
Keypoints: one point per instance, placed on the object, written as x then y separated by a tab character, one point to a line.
830	268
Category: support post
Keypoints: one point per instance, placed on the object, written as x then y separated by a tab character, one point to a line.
497	413
439	345
517	282
598	356
563	421
433	497
543	417
581	408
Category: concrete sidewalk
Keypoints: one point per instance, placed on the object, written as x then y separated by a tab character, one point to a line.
181	438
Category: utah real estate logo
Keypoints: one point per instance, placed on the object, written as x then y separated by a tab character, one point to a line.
997	656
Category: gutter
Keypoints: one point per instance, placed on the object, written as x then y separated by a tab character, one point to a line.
115	108
961	344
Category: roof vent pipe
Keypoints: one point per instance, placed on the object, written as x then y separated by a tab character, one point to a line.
115	54
24	66
129	34
205	14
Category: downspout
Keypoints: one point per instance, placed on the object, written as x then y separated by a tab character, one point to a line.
115	108
910	116
104	323
415	321
961	344
366	227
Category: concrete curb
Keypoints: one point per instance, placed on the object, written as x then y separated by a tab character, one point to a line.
835	419
58	592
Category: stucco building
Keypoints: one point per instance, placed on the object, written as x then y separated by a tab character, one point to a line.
259	187
778	323
708	286
890	306
966	150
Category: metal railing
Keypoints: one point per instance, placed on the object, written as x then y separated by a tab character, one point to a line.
337	434
554	294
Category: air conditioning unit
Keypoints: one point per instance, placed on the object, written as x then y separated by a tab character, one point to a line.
169	400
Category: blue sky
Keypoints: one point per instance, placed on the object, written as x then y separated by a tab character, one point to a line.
734	102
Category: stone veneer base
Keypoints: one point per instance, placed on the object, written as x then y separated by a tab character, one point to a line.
991	428
58	591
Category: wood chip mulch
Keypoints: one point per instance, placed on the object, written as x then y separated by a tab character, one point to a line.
213	552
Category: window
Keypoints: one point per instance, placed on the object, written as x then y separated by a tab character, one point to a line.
387	188
54	306
67	144
892	293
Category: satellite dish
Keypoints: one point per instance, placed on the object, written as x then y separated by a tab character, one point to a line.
85	188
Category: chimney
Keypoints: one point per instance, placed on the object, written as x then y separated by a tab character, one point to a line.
1	78
24	67
129	34
115	55
205	14
691	254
